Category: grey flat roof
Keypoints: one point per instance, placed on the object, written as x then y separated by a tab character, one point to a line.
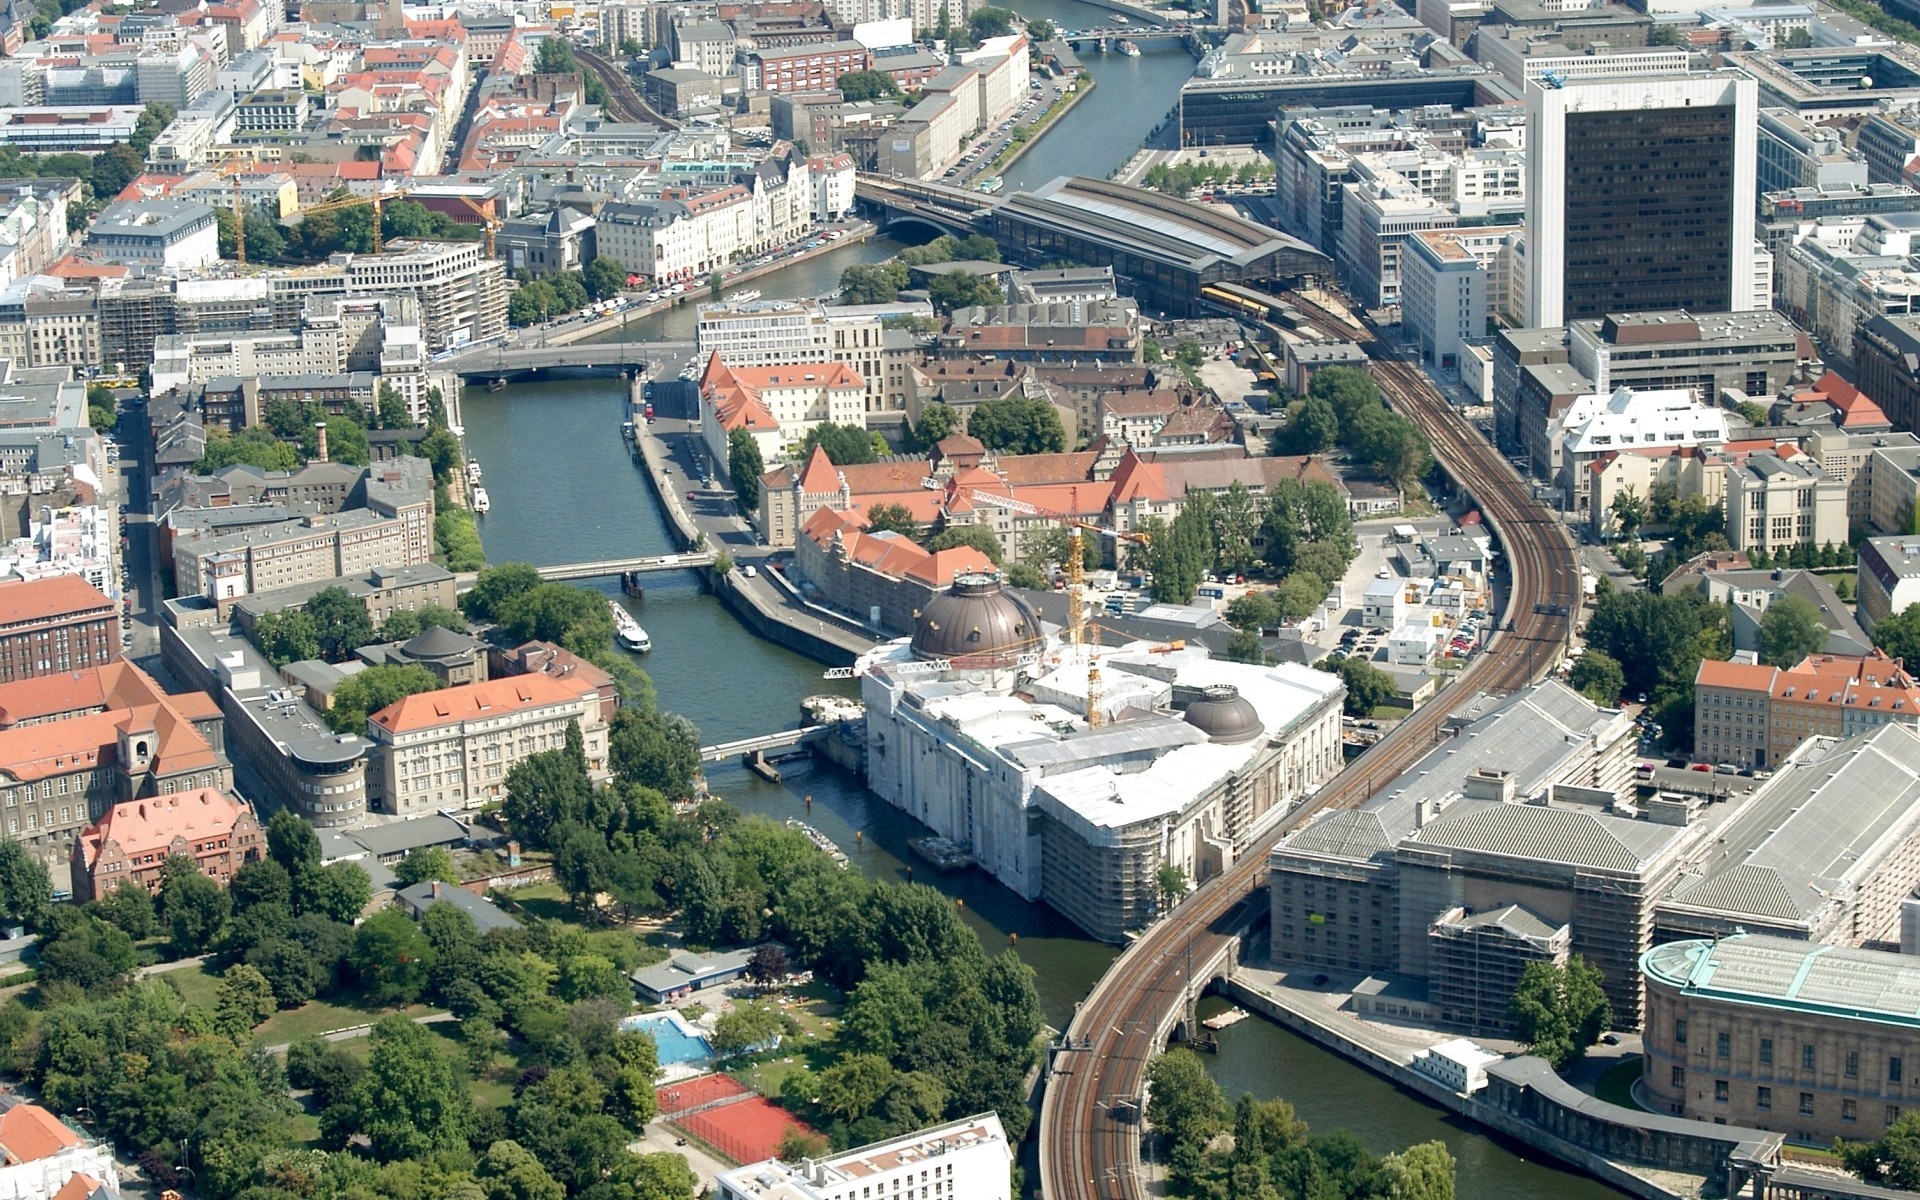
1811	835
486	917
1775	972
1158	226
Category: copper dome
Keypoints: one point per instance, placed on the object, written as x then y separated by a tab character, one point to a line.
1224	715
976	619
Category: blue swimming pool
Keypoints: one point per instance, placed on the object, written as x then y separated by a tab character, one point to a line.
675	1039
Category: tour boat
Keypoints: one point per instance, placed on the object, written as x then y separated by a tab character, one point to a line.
1129	49
991	184
480	502
627	631
1120	17
746	297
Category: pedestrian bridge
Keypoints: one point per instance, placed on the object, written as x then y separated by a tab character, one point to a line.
765	742
624	566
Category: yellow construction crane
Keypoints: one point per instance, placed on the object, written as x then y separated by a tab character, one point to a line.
488	222
1076	527
233	169
341	203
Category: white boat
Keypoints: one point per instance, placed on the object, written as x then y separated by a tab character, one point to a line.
746	297
480	502
473	470
627	631
1120	17
1129	49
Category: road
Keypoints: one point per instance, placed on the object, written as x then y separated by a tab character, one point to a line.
140	566
1086	1151
988	148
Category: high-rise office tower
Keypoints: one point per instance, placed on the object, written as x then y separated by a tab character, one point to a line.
1640	194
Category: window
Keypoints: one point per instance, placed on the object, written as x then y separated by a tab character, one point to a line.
1680	1031
1723	1044
1853	1064
1806	1057
1763	1097
1895	1068
1806	1104
1678	1078
1766	1051
1893	1113
1849	1110
1720	1087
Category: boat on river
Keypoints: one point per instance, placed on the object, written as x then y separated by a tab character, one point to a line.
991	184
1232	1016
473	470
627	631
820	840
480	502
1130	49
944	853
746	297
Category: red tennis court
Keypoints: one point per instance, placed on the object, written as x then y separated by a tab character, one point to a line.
746	1131
690	1094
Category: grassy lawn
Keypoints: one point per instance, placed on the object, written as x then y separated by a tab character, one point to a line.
1616	1086
545	901
324	1016
198	986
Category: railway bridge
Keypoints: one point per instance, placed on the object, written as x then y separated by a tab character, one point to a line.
1089	1147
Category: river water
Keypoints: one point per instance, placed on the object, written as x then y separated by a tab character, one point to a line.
563	488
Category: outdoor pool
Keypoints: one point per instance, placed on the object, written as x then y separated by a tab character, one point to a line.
678	1041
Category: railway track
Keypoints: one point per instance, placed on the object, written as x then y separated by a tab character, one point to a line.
622	97
1088	1149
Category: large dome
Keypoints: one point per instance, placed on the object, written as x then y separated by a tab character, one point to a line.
976	619
1224	715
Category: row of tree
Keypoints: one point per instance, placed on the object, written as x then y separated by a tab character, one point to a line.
881	283
537	300
288	435
1657	642
1301	531
1182	178
1343	407
1272	1154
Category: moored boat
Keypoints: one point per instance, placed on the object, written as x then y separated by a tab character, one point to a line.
627	631
480	502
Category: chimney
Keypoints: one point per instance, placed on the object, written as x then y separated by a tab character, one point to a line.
436	889
320	439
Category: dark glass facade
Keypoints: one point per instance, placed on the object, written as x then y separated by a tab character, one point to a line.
1240	113
1649	210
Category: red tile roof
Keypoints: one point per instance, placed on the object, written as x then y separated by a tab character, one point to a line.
54	596
472	701
29	1133
150	826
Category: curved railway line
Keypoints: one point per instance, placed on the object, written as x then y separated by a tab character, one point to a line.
622	97
1088	1150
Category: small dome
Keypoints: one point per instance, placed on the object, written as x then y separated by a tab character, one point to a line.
976	620
438	642
1224	715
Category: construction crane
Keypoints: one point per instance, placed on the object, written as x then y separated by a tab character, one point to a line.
488	222
341	203
1076	527
233	169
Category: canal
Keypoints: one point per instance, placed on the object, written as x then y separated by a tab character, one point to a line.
563	488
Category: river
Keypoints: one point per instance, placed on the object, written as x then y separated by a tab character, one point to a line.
564	489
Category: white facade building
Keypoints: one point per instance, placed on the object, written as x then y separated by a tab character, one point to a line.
1601	423
967	1159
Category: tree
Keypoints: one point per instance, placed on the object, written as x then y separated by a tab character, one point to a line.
605	278
426	863
245	1000
410	1103
508	1171
746	1027
81	949
1368	687
1629	512
292	843
408	623
1253	611
846	445
1597	676
1899	635
346	442
657	751
959	289
892	518
391	957
129	908
1017	425
290	970
1790	630
287	636
340	621
114	169
26	889
1559	1011
990	22
374	689
192	907
937	422
1894	1159
744	467
856	86
979	537
441	449
873	283
768	965
1421	1172
1170	882
1184	1104
1039	30
582	866
390	409
340	892
252	446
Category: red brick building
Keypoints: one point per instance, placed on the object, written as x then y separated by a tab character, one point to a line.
135	838
54	625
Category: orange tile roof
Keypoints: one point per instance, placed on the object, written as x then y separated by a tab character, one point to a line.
151	825
836	375
889	553
123	692
29	1133
735	406
1746	676
54	596
819	477
468	702
79	1186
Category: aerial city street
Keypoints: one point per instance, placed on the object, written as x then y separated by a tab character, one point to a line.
917	600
